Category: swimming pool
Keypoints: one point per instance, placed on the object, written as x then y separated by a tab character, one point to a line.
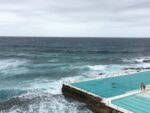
114	86
139	103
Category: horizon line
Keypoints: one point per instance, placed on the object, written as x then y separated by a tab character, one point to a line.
66	37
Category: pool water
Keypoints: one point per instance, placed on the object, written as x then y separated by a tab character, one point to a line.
136	103
114	86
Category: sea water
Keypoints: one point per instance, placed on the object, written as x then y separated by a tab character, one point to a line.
32	70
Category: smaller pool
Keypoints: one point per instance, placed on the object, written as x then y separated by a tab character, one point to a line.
139	103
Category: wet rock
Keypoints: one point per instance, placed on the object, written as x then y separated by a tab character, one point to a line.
100	73
146	61
138	68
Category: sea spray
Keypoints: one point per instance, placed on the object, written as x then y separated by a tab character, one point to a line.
32	71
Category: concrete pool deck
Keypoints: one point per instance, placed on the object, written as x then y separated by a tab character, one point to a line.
107	90
108	101
134	102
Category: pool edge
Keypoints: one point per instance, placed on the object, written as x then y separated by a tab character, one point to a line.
95	103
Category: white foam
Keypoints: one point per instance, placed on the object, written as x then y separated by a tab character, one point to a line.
139	60
13	66
136	60
103	71
50	104
54	86
53	60
97	67
43	85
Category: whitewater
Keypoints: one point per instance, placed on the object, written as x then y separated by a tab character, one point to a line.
32	70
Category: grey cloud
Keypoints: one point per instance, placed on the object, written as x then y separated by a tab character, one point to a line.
74	17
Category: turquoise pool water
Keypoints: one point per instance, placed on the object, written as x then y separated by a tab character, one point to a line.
134	103
114	86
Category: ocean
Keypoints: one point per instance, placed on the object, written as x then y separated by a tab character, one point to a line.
32	70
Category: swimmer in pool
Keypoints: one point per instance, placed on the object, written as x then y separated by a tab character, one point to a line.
143	86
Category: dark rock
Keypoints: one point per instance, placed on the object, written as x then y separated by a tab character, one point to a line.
100	73
138	68
146	61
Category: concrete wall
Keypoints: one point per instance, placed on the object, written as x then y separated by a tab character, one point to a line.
94	103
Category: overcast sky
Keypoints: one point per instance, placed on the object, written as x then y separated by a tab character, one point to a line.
92	18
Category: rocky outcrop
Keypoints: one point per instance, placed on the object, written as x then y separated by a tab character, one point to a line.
137	68
146	61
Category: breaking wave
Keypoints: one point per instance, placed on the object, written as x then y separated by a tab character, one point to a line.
12	67
43	103
32	71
